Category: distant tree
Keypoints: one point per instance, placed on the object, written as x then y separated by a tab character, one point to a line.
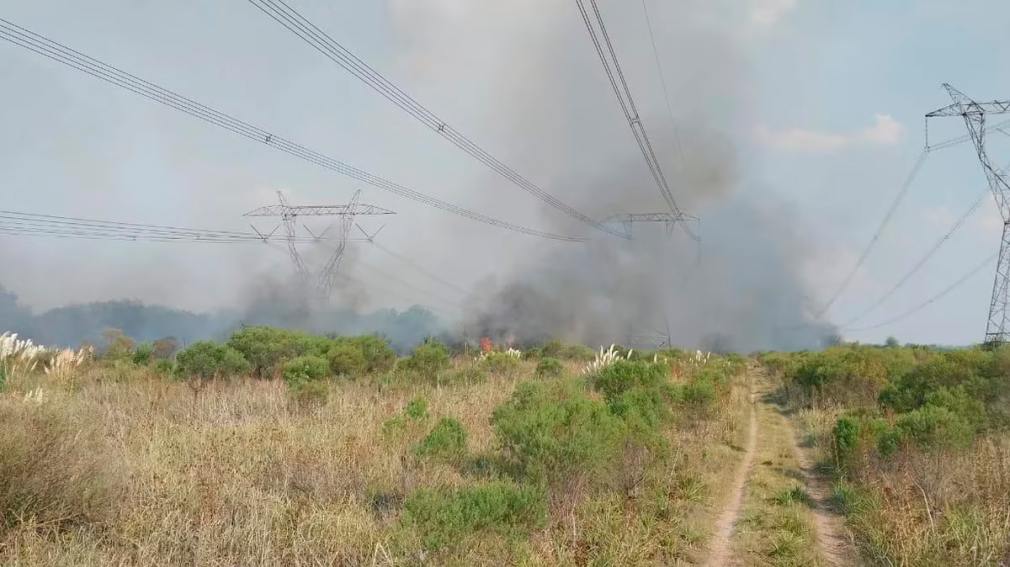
117	344
204	361
207	360
164	348
891	342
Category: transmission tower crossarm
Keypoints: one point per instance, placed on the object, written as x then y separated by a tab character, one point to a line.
960	109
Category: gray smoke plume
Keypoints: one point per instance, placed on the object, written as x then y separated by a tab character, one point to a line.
743	291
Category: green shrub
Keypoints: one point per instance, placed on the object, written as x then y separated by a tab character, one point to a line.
346	358
143	355
208	360
446	441
549	368
889	440
552	431
427	360
636	391
266	348
379	356
416	409
959	403
624	375
846	437
444	516
935	427
500	363
850	375
910	390
306	368
699	393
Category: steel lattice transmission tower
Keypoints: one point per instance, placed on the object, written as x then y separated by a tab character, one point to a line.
325	279
974	115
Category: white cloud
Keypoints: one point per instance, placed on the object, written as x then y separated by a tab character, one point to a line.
769	12
885	131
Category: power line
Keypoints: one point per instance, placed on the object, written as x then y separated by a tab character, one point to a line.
1000	127
902	191
293	21
929	301
890	213
924	259
612	67
67	56
18	223
422	270
662	81
390	277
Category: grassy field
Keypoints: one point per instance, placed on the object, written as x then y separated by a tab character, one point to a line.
279	448
917	442
124	461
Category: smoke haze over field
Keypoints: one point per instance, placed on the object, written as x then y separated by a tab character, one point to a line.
784	137
746	288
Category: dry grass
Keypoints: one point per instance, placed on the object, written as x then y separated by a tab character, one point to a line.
140	472
938	507
776	525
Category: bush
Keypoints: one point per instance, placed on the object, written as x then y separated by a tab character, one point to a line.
935	427
207	360
346	358
446	441
846	436
445	516
549	368
427	360
143	355
636	391
305	369
553	431
416	409
379	356
909	391
267	348
52	471
500	363
117	345
164	348
699	393
622	376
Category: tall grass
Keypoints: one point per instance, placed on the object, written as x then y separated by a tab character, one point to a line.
126	466
919	444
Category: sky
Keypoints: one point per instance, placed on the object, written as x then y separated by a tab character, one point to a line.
821	102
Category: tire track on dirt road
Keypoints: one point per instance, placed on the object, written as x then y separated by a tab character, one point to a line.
719	549
833	538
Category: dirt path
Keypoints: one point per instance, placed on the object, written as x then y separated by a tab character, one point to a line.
833	539
762	504
719	548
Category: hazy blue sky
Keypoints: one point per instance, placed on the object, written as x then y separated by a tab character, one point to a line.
823	102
